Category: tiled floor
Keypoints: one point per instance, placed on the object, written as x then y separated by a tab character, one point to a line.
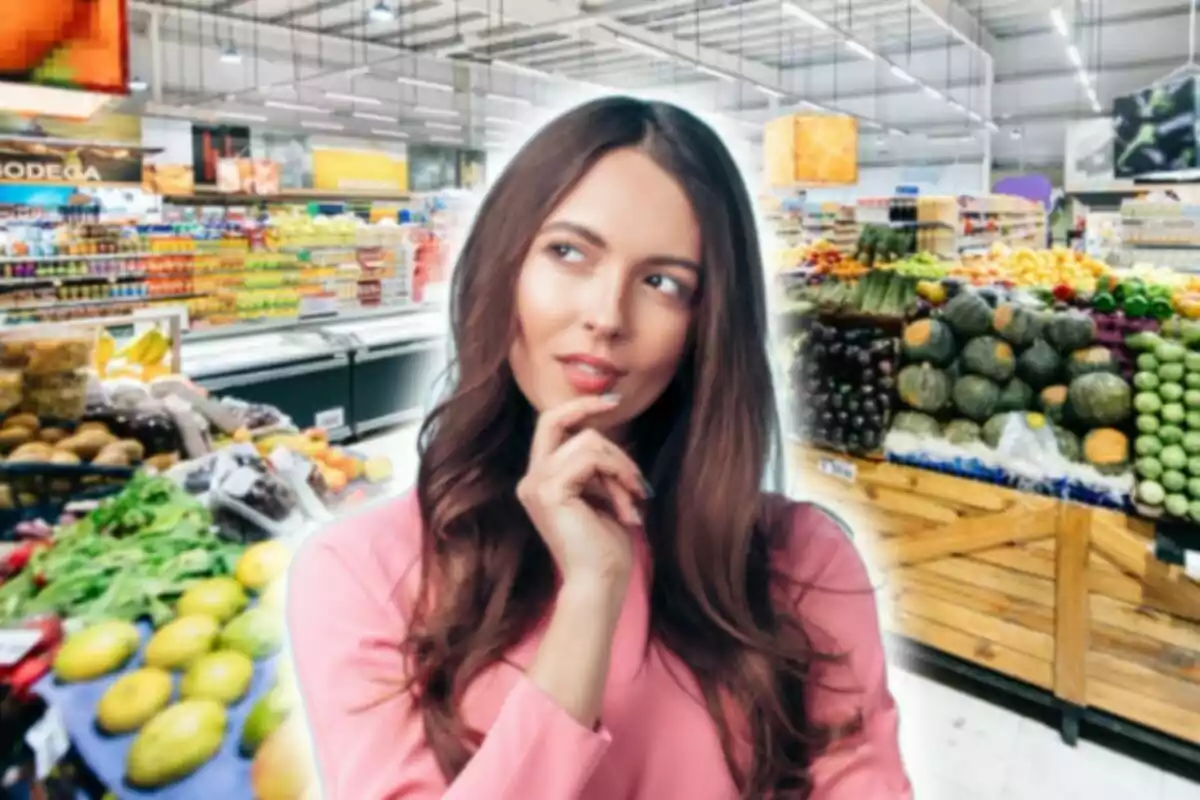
957	746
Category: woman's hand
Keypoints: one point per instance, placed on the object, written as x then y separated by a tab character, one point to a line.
581	492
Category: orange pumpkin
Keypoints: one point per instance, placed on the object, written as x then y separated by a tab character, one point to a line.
31	30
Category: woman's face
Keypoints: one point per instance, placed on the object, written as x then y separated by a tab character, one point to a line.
605	295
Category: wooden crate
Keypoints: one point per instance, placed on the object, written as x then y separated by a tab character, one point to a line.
1062	596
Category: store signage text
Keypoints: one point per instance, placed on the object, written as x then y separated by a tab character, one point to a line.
33	171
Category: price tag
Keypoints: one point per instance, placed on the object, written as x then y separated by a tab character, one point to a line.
330	418
16	643
838	468
48	740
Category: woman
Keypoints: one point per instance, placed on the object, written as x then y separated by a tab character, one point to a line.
588	596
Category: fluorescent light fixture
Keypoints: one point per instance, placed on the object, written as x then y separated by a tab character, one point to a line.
354	98
394	134
1073	54
1060	22
445	140
932	92
381	12
861	49
812	106
869	124
1082	77
508	98
957	106
241	116
520	68
375	117
645	49
358	71
443	126
323	126
137	84
897	132
768	91
1095	106
296	107
502	121
804	15
230	54
902	75
1015	134
435	112
424	84
993	127
951	139
716	73
974	115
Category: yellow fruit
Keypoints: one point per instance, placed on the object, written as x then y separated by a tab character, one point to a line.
180	641
266	715
378	469
223	676
282	768
133	700
261	564
220	598
274	596
257	633
96	651
175	743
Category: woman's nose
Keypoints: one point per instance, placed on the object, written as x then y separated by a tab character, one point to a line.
604	298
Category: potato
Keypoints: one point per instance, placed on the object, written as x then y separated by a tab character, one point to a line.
53	435
6	496
64	457
88	444
31	452
13	437
112	455
134	448
84	427
29	421
163	461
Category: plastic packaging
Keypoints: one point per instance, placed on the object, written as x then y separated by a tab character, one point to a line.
45	350
58	396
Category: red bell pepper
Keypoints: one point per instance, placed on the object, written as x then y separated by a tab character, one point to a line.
17	558
1064	293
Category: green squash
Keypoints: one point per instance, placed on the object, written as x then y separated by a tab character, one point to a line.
929	340
990	357
968	314
1092	359
1040	365
924	388
962	431
1015	396
993	429
976	397
1017	324
917	424
1070	330
1068	444
1053	402
1100	399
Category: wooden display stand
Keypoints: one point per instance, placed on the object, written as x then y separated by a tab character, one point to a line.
1063	596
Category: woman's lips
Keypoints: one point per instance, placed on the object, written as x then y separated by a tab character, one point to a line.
589	377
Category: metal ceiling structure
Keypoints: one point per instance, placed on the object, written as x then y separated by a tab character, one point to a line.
930	80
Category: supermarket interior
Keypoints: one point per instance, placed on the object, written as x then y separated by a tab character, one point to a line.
227	231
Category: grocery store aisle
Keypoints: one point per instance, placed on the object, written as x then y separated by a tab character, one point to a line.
957	746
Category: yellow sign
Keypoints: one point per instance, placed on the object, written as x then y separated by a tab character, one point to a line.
359	170
811	150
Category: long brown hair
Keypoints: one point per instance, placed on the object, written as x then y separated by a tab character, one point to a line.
487	579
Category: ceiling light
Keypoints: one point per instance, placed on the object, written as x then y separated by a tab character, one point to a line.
1015	134
1060	22
137	84
396	134
768	91
296	107
521	68
435	112
793	10
381	12
1082	77
862	50
375	117
424	84
508	98
358	71
902	75
1073	54
934	93
1096	106
993	127
241	116
897	132
230	54
645	49
716	73
501	120
975	116
323	126
354	98
445	140
443	126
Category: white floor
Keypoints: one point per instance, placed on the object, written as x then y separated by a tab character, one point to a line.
957	746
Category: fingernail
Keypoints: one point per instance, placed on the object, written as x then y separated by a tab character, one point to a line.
635	518
611	397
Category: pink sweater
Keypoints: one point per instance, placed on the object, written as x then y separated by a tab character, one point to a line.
350	584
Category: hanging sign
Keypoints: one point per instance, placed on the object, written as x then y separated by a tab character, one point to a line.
68	164
811	150
66	44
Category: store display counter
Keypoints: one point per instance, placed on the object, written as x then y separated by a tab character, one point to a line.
1061	596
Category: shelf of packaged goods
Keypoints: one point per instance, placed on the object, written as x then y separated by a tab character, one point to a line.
104	301
61	259
60	280
1061	596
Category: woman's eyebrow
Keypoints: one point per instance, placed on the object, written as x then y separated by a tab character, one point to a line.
597	240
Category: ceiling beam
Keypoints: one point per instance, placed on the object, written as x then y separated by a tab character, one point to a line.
959	23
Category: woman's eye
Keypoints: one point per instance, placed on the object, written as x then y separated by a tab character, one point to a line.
566	252
667	284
